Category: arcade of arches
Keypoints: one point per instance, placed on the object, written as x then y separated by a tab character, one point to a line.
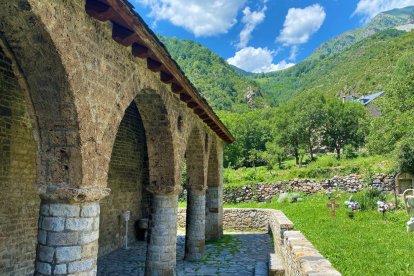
95	120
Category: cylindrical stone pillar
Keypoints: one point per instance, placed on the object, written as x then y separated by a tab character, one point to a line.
195	225
162	236
214	213
67	238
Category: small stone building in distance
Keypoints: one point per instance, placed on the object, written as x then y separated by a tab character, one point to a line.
97	119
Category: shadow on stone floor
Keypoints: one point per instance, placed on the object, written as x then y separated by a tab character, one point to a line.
234	254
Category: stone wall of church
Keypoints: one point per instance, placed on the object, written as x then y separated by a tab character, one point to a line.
19	202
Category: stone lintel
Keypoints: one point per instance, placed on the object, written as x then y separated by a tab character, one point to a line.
67	194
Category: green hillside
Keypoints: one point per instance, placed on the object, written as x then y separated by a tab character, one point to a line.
364	68
224	86
358	62
382	21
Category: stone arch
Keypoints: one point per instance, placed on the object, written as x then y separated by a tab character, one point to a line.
127	179
160	142
39	116
54	114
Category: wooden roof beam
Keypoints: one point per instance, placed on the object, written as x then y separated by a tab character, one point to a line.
122	35
166	77
140	51
185	97
199	111
192	104
99	10
153	65
176	88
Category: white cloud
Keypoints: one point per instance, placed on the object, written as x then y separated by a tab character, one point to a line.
257	60
293	52
202	18
301	24
250	20
370	8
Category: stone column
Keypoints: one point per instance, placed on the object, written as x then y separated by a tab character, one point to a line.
162	235
195	224
68	232
214	213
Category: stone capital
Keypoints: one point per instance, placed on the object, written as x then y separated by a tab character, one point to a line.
164	189
198	189
68	194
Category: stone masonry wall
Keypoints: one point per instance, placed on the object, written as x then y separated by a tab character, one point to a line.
236	219
19	202
128	173
264	192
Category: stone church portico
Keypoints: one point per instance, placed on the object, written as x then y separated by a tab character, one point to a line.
96	119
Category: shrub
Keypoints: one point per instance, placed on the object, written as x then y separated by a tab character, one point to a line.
368	199
349	152
289	198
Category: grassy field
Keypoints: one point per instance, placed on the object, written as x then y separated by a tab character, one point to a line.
364	245
324	167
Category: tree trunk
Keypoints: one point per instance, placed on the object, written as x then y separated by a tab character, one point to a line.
338	153
311	151
296	153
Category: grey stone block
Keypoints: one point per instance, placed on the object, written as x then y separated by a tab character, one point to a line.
44	209
86	238
46	253
43	268
79	224
68	254
41	237
90	210
53	224
64	210
63	238
81	266
60	269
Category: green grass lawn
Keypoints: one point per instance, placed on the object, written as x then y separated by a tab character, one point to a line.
326	166
365	245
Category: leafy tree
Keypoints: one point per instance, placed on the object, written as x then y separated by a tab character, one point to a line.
309	107
288	130
397	108
344	125
274	154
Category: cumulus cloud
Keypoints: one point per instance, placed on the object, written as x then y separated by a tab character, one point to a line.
370	8
301	24
250	20
257	60
202	18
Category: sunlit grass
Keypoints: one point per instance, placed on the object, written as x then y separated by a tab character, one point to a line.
364	245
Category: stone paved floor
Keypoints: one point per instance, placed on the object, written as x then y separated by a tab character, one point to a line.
235	254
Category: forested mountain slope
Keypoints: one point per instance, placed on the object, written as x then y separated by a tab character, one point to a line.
224	86
363	68
358	62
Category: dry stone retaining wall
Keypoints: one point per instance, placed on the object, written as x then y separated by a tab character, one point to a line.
264	192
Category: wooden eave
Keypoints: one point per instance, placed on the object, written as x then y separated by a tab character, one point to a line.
128	29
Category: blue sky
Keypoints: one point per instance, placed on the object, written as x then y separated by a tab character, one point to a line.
261	35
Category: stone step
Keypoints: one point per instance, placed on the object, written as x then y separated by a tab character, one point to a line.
261	269
277	265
